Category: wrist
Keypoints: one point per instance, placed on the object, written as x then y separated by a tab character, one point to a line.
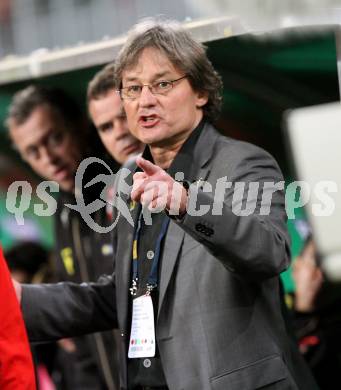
305	304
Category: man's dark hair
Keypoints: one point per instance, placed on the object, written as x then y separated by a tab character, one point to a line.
29	99
102	83
184	52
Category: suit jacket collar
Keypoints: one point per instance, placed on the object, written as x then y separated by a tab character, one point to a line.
204	148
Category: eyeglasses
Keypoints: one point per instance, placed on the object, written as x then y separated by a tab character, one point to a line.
50	141
156	88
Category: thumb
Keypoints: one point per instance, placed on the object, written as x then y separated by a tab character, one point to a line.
148	167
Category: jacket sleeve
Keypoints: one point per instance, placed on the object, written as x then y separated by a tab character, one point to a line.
245	227
53	311
16	367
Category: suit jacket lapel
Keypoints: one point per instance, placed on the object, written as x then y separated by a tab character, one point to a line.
200	170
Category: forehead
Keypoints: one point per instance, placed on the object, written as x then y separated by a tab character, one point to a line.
108	105
40	123
151	63
44	116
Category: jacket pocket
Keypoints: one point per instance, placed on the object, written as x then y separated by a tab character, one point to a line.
253	376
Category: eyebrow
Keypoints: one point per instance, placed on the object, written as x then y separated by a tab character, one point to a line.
51	131
155	77
103	126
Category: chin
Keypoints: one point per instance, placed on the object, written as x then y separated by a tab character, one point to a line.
151	139
67	186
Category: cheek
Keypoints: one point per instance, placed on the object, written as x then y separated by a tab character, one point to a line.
175	113
105	138
132	125
176	106
39	168
101	137
131	112
119	152
65	148
74	149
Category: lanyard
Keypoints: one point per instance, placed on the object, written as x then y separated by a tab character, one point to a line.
153	276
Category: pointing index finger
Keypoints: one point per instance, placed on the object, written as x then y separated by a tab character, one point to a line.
148	167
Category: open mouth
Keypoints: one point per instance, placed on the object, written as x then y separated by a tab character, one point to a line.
148	120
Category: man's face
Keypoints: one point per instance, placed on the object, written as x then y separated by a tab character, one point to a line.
46	144
161	120
110	120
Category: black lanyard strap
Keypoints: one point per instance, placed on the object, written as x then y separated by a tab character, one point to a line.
153	276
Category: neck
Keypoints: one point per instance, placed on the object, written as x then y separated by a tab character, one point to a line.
163	156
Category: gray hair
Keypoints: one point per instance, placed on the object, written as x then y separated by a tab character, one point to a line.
186	54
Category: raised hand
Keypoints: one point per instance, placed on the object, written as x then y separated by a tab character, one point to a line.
155	189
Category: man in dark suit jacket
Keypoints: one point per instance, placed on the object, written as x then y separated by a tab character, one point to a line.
195	292
52	135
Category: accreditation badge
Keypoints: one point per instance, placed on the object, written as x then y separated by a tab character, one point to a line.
142	335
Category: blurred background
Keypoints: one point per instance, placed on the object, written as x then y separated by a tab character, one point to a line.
273	56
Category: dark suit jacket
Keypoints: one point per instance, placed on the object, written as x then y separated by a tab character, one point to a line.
79	257
219	324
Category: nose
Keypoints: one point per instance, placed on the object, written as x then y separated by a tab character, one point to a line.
47	156
147	99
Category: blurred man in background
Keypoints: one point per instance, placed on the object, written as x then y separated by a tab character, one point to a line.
52	135
106	112
317	318
83	254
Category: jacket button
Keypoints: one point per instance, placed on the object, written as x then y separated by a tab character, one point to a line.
147	363
150	255
199	227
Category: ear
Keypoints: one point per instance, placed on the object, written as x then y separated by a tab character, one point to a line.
201	98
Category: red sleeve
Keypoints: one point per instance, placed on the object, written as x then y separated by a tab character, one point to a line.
16	367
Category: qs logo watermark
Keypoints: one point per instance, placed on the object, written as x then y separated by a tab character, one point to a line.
241	198
19	196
